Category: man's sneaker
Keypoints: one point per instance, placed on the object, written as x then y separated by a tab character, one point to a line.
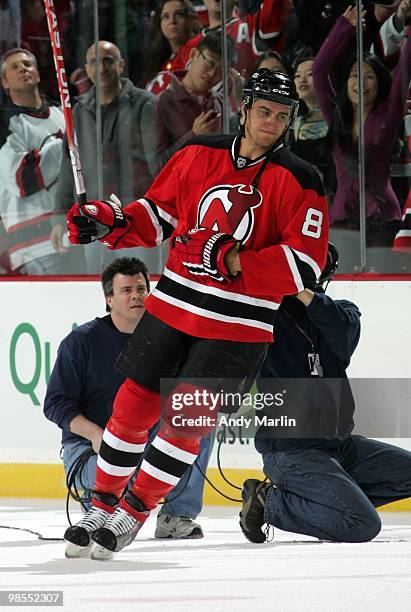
78	536
177	527
120	529
254	496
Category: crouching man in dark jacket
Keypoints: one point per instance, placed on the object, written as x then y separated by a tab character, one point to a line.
325	482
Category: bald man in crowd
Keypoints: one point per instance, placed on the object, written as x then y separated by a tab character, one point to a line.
129	148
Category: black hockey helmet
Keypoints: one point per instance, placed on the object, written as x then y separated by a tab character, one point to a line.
331	265
275	86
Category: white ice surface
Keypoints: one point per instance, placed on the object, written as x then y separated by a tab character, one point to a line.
220	572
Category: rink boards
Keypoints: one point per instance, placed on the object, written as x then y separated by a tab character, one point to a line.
39	314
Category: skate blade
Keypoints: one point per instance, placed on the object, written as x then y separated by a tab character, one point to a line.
73	551
99	553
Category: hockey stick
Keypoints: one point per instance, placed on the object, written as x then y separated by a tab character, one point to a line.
65	100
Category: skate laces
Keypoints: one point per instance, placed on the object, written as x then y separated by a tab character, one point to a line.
121	522
94	519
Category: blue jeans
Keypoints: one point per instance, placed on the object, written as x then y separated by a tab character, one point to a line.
189	502
332	494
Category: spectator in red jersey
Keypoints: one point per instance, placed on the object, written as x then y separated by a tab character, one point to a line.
174	22
252	35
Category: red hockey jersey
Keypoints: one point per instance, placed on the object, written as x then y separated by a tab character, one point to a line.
282	225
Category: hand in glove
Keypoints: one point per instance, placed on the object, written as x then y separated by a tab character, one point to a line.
96	220
204	252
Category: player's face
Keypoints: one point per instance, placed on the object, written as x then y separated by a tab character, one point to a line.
303	79
205	70
370	85
173	21
266	121
127	301
110	67
21	73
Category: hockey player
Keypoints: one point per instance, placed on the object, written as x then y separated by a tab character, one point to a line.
248	221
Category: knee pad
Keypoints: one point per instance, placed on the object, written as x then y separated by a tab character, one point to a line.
188	412
135	410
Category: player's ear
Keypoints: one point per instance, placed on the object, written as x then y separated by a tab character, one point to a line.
87	69
121	65
4	83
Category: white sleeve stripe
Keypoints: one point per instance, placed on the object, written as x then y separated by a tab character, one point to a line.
159	474
293	267
120	445
268	35
164	215
154	221
308	260
173	451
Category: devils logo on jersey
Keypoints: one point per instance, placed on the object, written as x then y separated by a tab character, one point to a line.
229	209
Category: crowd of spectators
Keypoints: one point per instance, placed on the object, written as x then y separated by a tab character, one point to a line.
160	84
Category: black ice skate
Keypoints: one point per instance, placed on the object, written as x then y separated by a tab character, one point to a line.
254	496
78	536
120	529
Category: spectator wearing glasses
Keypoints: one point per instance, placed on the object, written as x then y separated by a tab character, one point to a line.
128	143
189	107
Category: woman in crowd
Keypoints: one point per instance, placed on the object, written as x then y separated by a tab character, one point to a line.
383	105
310	129
174	22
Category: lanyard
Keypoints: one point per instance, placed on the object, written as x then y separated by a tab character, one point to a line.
304	333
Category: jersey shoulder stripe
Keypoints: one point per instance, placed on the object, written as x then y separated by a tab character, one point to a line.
219	141
304	172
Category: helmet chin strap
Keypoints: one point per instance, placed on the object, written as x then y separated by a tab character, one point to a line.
242	123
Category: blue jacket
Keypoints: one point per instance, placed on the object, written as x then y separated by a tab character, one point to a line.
333	326
84	379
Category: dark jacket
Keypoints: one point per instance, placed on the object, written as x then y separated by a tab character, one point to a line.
129	146
330	328
85	358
